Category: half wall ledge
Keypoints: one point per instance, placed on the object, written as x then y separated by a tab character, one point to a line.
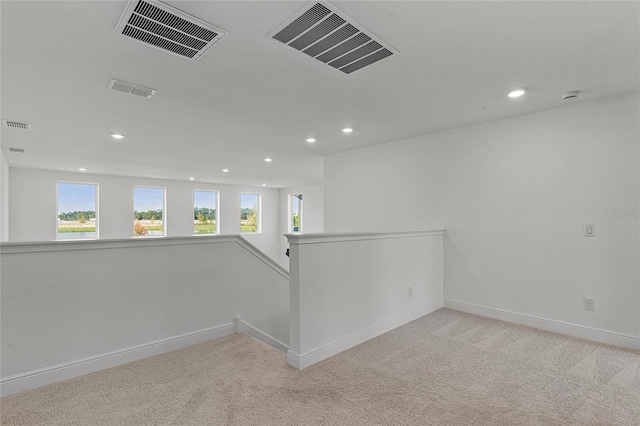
347	288
357	236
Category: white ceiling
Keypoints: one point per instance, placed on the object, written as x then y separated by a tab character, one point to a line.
250	96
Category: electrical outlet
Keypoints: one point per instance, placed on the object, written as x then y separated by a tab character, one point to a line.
410	291
589	230
589	304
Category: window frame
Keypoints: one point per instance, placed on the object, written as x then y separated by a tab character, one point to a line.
259	213
217	215
164	210
97	197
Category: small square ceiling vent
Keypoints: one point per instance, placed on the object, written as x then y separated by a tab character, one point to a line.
169	29
328	35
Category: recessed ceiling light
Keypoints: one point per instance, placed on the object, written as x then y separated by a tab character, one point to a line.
192	178
347	130
82	169
516	93
225	170
311	140
268	160
264	184
117	136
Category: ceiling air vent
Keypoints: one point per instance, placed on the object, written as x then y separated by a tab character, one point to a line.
328	35
17	150
164	27
130	88
16	124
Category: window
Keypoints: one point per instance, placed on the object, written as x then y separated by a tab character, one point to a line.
204	212
148	211
249	213
295	213
77	211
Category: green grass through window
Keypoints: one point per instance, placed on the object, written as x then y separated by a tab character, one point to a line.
204	228
76	229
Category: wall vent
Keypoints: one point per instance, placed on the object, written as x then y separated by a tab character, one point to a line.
17	150
328	35
130	88
169	29
16	124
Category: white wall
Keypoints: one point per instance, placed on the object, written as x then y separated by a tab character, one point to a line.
72	305
312	215
4	198
513	196
33	207
348	288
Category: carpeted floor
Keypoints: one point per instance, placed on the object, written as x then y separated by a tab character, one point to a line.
447	368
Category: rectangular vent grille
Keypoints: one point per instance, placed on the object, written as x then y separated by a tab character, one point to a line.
16	125
167	28
130	88
17	150
326	34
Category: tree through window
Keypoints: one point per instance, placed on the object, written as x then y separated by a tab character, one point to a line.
295	213
205	219
148	211
77	211
249	213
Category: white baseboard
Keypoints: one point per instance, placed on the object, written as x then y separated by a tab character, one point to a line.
575	330
299	361
246	328
44	376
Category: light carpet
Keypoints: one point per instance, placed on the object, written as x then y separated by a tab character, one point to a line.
446	368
